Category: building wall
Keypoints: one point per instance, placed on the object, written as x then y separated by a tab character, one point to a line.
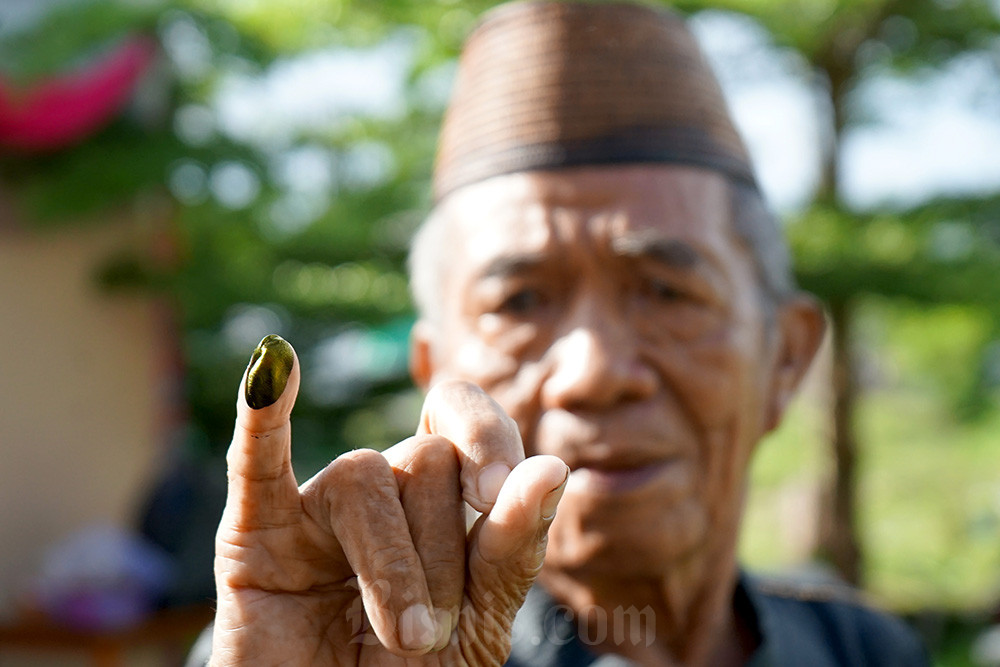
81	375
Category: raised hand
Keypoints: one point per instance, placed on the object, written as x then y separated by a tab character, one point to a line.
369	562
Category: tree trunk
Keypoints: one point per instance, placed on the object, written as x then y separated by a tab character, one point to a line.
839	535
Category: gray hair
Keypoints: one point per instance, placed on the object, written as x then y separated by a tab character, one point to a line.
426	265
753	223
758	229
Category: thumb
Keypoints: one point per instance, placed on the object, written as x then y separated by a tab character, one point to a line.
508	544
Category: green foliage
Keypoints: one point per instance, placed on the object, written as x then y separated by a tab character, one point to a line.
912	32
942	252
72	32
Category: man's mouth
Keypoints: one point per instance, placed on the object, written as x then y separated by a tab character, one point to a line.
615	481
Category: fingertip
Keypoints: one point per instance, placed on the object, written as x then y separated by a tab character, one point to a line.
269	386
553	468
524	506
550	501
487	439
447	620
533	480
267	374
551	475
418	630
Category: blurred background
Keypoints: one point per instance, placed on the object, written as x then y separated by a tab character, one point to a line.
179	178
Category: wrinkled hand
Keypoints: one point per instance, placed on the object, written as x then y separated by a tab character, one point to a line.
369	562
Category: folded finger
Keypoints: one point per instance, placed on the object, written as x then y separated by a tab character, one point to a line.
488	441
367	517
426	469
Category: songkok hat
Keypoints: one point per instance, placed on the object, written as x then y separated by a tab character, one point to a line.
544	85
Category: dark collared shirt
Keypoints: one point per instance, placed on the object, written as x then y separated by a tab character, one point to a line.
797	626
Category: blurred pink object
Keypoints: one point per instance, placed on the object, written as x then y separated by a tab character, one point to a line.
65	109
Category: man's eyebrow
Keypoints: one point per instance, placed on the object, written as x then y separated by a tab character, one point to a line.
507	265
672	252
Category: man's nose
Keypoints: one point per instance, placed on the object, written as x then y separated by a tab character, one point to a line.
597	364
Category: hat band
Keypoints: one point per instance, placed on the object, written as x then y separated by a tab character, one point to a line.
664	145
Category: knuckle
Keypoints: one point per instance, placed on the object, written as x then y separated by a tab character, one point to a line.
433	451
360	466
353	476
452	387
494	429
394	561
444	566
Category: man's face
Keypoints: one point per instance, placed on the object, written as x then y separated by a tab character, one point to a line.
615	316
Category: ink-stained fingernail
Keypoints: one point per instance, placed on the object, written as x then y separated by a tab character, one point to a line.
270	366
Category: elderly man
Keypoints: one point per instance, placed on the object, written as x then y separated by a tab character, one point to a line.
600	288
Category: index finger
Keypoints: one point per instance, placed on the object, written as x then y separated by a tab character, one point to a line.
488	441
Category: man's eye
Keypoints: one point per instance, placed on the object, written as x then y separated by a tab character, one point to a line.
662	291
521	302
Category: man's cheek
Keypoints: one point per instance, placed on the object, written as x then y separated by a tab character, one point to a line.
705	379
484	364
518	394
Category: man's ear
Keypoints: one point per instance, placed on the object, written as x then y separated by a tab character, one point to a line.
422	364
801	325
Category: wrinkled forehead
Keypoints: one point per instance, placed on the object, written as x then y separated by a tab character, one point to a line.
529	212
